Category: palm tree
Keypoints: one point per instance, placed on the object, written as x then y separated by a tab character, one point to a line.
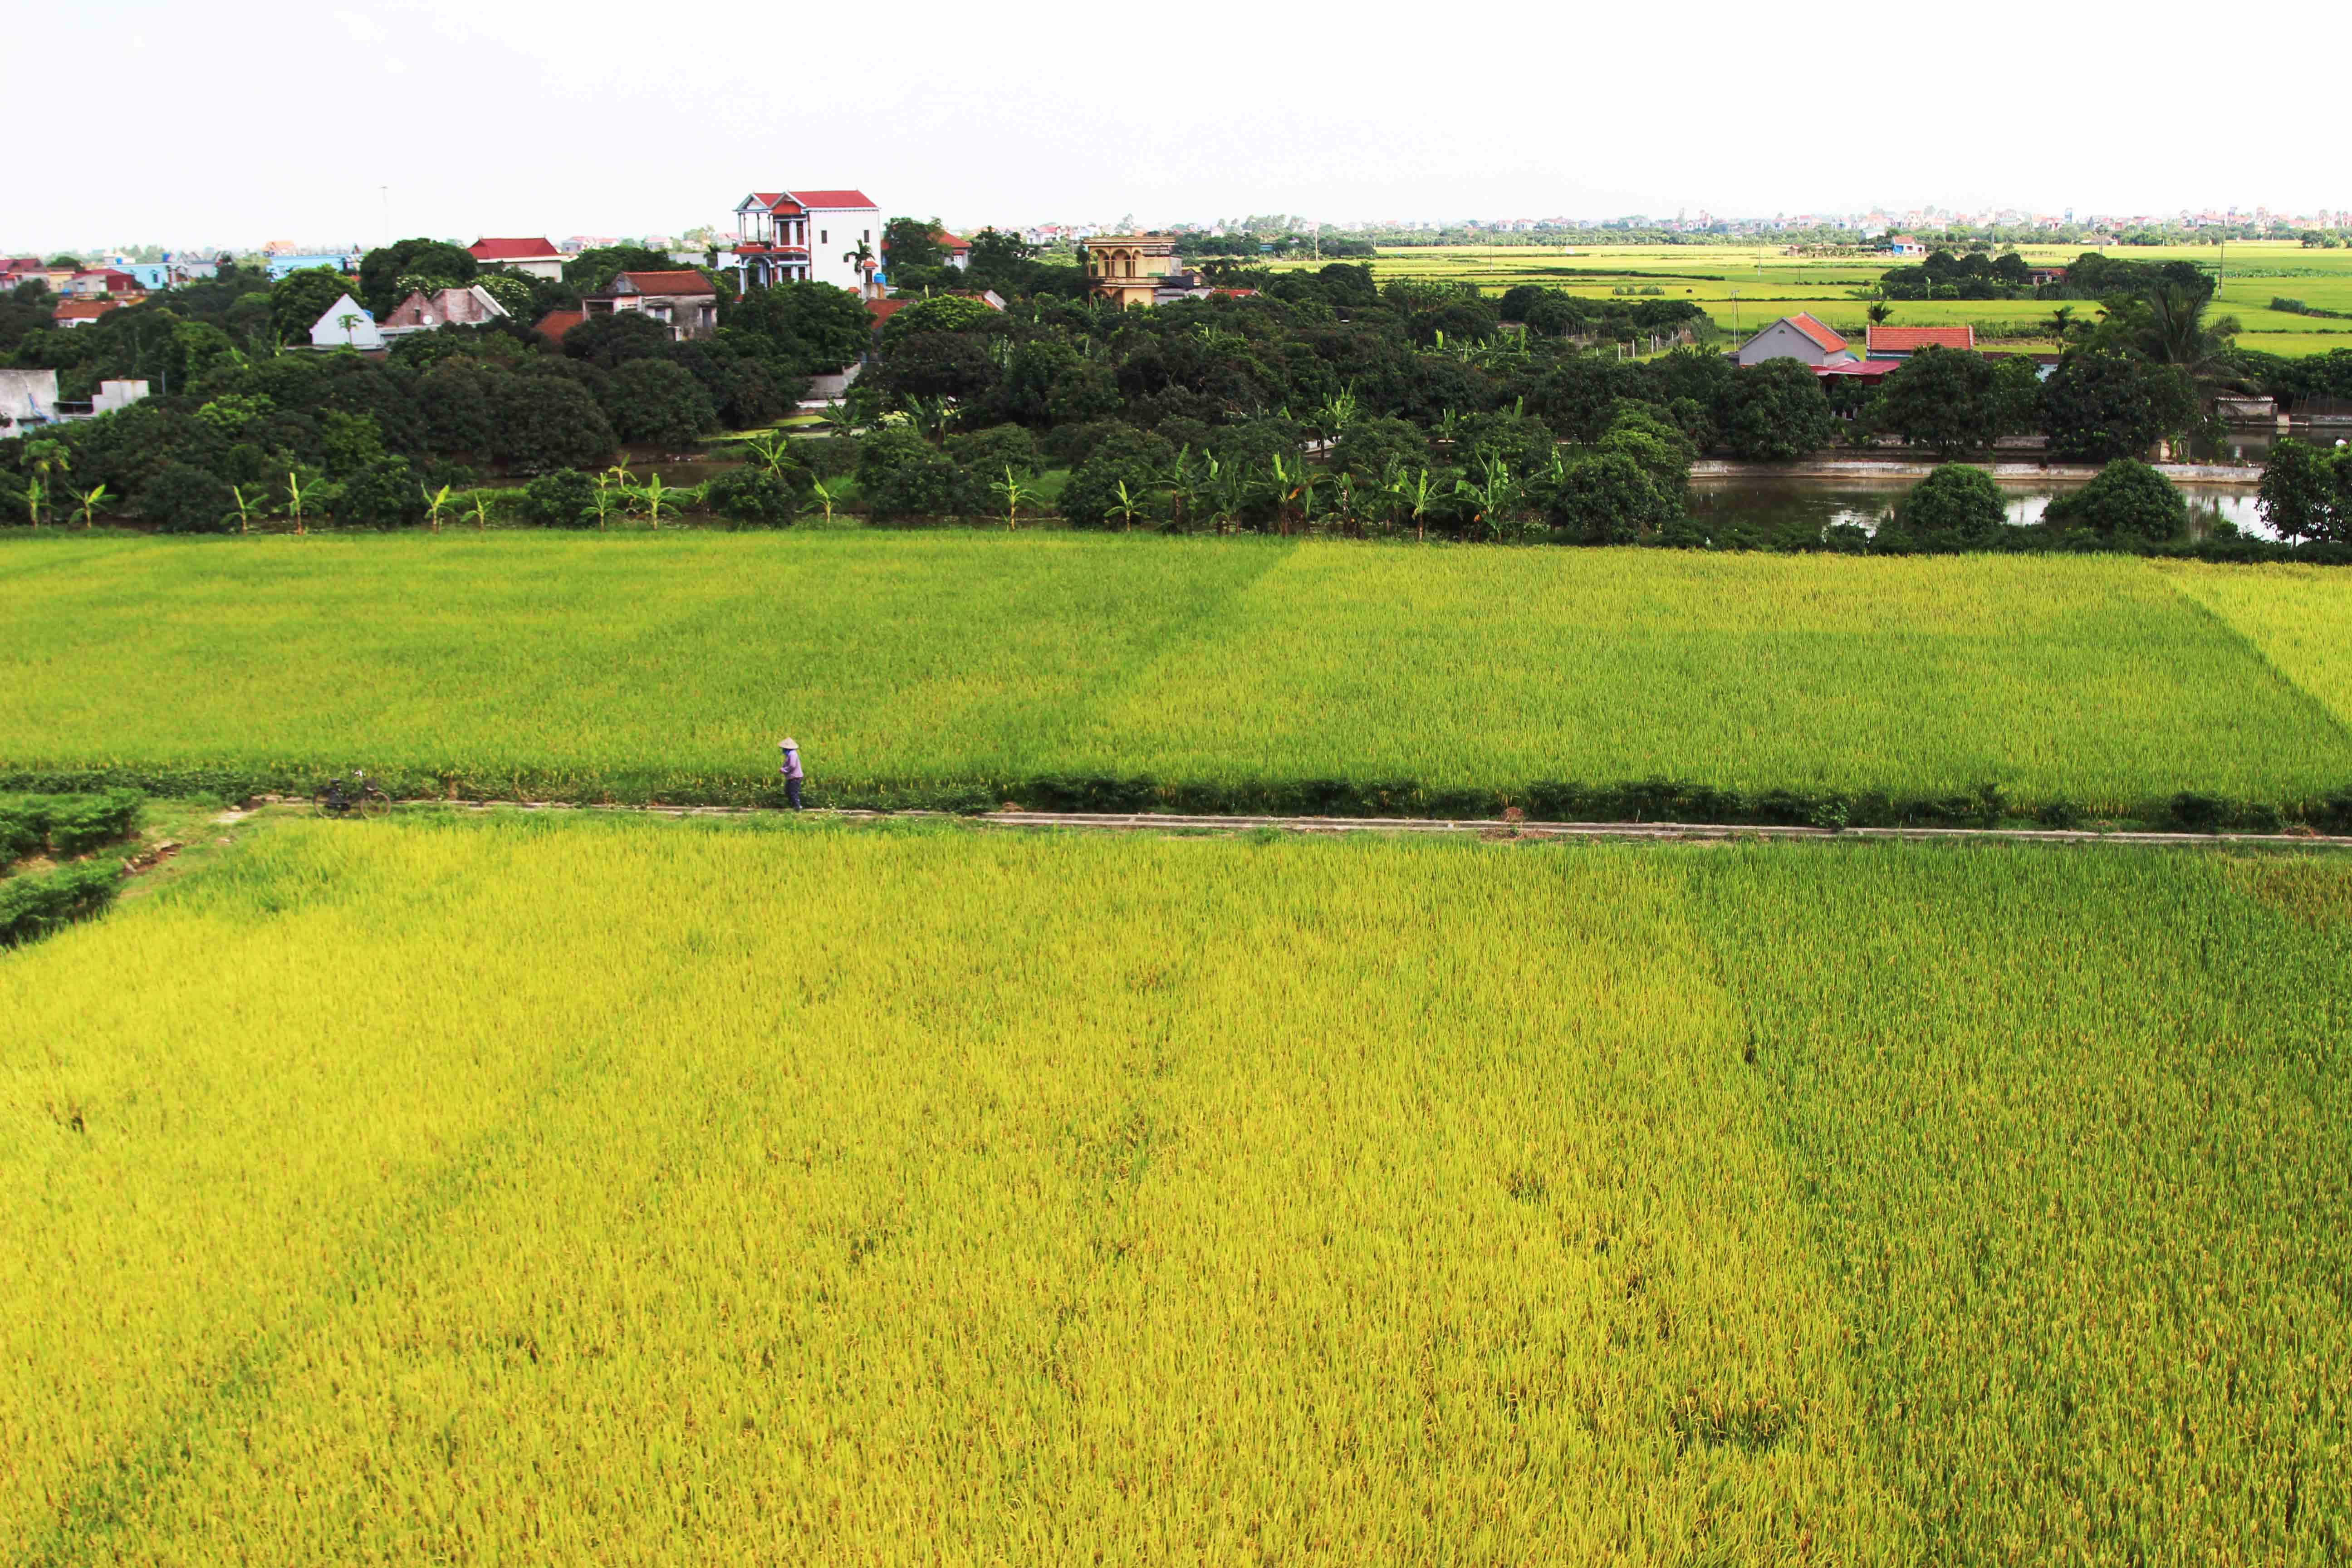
1880	314
2169	327
2061	323
862	258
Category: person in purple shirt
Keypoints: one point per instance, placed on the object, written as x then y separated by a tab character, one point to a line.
791	769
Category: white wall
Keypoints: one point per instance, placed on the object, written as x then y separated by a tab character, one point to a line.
834	231
330	333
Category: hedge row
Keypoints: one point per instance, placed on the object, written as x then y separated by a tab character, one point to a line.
33	907
66	825
1646	800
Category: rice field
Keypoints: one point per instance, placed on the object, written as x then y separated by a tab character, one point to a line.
622	1192
907	665
1769	285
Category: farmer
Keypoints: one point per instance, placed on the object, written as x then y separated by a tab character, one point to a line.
791	769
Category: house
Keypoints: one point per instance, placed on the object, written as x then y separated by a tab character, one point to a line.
1798	337
555	323
1906	245
81	312
809	236
471	306
685	301
1128	268
1902	342
28	397
345	326
531	257
93	282
280	264
2042	277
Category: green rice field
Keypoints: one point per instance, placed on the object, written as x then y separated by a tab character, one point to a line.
598	1190
1769	285
914	665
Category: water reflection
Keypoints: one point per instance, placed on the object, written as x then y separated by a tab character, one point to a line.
1773	502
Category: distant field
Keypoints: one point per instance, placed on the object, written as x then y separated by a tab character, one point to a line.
595	1191
667	664
1770	285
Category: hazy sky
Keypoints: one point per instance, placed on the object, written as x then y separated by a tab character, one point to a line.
189	125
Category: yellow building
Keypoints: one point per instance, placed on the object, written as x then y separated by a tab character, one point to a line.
1125	267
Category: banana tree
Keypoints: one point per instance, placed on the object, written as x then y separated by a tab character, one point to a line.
612	487
436	502
1492	497
35	493
768	449
1291	486
245	508
47	459
1012	493
825	497
654	495
294	501
1183	479
480	511
839	419
1335	412
87	503
1414	494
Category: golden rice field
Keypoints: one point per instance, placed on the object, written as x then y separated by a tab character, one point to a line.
1769	285
909	665
606	1192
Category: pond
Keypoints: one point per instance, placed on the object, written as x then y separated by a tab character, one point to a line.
1771	502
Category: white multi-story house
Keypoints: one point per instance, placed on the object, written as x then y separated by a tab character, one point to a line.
809	236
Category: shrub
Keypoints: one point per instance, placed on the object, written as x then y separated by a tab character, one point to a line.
989	452
184	499
901	475
32	907
564	499
2128	500
1955	504
751	495
81	823
1776	412
387	493
1606	498
540	423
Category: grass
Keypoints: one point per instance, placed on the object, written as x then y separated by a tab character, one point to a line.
666	665
623	1191
1770	285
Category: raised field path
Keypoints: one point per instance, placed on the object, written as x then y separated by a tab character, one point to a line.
1490	827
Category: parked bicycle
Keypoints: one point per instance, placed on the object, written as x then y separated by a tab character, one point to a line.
353	796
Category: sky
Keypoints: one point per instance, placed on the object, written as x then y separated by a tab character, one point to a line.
338	125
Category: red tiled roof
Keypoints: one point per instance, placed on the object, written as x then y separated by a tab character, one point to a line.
555	323
883	310
81	310
830	198
1824	339
680	282
1906	340
767	199
512	251
1868	369
950	242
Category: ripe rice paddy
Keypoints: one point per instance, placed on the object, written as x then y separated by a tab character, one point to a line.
910	665
626	1191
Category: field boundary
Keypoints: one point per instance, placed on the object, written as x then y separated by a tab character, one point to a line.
1486	827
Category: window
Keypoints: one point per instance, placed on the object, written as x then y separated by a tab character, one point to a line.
824	236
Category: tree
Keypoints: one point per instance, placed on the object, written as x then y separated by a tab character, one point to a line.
514	294
540	423
384	493
2127	499
563	499
812	328
381	270
617	337
2100	406
298	299
653	402
593	269
755	495
1880	314
1776	412
909	242
901	475
1946	399
2299	496
1955	504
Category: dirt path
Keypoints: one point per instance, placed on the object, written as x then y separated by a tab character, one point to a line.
1490	828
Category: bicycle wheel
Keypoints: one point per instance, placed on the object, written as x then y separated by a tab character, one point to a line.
330	802
374	804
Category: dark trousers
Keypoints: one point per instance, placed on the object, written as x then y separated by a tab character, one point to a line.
792	793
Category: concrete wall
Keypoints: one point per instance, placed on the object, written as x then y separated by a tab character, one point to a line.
26	396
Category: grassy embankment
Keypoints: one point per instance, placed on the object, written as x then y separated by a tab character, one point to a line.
1771	284
602	1190
1057	670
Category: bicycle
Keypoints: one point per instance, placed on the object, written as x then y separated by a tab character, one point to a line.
354	797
